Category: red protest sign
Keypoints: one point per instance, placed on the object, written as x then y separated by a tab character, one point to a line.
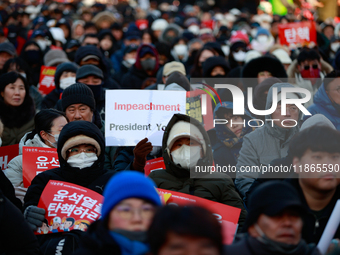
68	206
7	153
227	215
154	164
46	81
297	33
36	160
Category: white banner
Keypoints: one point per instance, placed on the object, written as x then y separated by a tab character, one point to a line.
132	115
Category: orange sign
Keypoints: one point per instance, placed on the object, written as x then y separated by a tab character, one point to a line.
46	81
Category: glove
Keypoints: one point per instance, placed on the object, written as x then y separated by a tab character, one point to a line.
34	216
142	149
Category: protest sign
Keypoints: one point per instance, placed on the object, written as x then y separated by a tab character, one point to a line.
7	153
132	115
194	108
297	33
227	215
154	164
68	206
36	160
46	80
330	229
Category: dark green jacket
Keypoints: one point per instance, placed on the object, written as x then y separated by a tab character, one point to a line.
217	187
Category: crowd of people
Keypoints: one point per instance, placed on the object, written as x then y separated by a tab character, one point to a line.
162	45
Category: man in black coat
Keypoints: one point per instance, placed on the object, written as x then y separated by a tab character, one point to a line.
77	138
274	223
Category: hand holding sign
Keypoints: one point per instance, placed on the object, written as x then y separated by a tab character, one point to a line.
142	149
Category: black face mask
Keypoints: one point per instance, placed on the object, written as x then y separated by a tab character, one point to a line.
32	57
97	90
71	55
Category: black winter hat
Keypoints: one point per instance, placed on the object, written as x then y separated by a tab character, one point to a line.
271	198
8	47
88	70
212	62
71	67
257	65
87	50
78	93
180	79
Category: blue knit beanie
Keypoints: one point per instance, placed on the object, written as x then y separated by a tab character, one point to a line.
262	31
128	184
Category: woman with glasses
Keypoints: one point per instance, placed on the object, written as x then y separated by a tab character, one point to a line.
81	149
130	202
48	124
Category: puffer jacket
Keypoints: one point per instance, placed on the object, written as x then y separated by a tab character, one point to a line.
323	105
217	187
225	144
14	167
94	177
262	146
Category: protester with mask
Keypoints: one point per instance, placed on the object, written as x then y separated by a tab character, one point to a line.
274	223
309	71
180	51
93	77
91	55
227	139
129	59
43	37
81	156
185	230
71	49
186	145
64	77
237	55
33	56
146	66
263	41
122	230
17	108
47	126
269	141
327	99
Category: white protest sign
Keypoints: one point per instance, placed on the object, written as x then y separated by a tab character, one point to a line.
330	229
132	115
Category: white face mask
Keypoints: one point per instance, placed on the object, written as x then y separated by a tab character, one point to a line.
262	38
181	49
335	46
23	75
42	44
56	137
226	50
253	32
186	156
131	61
66	82
239	56
82	160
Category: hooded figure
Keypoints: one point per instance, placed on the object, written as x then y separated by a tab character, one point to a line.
268	142
52	98
226	145
220	188
91	175
146	66
211	70
170	33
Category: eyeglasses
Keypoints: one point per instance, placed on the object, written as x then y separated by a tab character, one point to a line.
313	66
126	212
76	150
